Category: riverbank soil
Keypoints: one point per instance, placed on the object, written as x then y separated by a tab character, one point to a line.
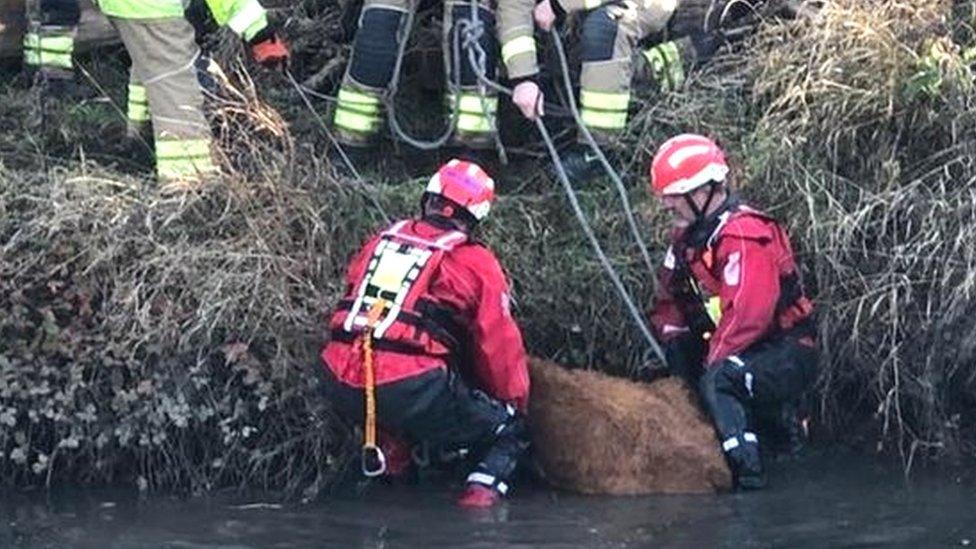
597	434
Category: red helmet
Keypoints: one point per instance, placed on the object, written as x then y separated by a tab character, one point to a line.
686	162
465	184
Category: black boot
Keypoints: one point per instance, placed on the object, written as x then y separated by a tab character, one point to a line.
745	461
581	163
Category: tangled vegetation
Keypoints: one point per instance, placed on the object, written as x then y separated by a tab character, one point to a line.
173	342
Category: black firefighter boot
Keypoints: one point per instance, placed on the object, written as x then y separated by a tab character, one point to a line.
742	452
581	164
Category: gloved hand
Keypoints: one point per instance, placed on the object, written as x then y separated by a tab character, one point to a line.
528	98
544	15
269	50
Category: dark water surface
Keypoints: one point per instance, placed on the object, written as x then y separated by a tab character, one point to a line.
830	501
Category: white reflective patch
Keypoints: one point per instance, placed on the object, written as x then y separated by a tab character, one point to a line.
730	444
481	478
734	359
750	437
733	269
669	259
502	488
749	384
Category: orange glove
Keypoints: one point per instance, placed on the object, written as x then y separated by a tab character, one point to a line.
269	50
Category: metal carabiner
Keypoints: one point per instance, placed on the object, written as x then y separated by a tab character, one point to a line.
373	461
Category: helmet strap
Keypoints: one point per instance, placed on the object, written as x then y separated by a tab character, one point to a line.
451	216
705	223
700	213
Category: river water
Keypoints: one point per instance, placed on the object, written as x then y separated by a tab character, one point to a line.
827	500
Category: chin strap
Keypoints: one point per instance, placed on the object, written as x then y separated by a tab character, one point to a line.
702	228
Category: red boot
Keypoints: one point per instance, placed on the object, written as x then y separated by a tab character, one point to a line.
479	496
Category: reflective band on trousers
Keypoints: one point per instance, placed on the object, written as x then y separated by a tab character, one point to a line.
249	19
485	479
357	111
48	51
666	67
182	158
732	443
605	110
518	46
138	107
472	116
592	4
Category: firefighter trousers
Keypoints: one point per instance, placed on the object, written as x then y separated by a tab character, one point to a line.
438	408
50	39
358	117
164	54
770	375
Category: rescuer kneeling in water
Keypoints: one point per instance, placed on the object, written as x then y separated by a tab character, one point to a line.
730	306
424	345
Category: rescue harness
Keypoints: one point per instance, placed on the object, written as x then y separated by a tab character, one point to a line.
391	311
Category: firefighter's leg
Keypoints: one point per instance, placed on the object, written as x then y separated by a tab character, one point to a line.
726	390
768	373
163	55
439	409
610	35
453	417
49	41
358	116
782	372
476	122
697	28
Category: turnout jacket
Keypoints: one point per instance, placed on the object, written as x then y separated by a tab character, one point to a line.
457	310
245	17
735	287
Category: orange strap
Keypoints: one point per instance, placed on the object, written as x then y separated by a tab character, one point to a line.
369	387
